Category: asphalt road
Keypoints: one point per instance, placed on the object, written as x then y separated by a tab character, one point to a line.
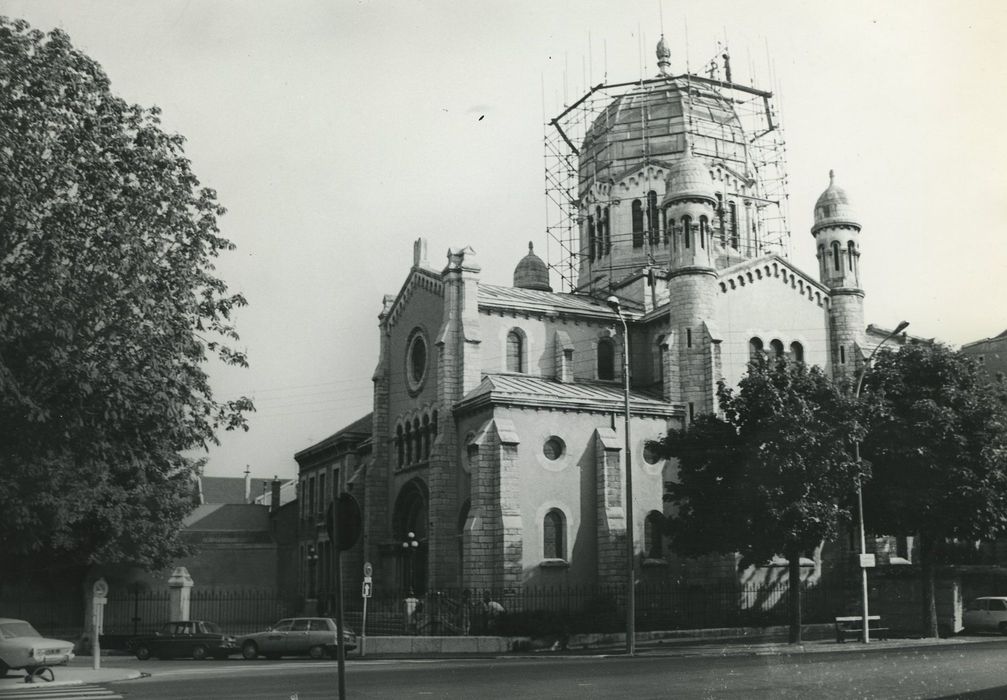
966	671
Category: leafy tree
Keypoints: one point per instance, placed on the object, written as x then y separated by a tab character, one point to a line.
109	309
938	445
773	476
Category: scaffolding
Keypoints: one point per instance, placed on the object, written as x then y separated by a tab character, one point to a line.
615	127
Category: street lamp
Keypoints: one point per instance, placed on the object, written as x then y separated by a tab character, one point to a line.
312	557
408	547
613	302
860	491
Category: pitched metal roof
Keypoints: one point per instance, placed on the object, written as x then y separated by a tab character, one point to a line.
355	433
524	390
493	296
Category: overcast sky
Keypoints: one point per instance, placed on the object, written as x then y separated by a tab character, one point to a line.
337	132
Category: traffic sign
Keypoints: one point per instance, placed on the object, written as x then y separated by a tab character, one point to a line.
343	521
368	569
365	590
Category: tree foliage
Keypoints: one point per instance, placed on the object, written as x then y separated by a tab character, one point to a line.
939	448
773	476
109	309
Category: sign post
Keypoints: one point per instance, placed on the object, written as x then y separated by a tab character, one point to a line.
99	596
365	593
343	523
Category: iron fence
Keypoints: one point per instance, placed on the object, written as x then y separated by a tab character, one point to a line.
528	611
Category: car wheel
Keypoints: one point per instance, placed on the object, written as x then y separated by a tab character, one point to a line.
142	652
250	650
199	652
316	652
3	669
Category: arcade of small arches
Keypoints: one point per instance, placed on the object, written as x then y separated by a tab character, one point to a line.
650	227
776	349
840	256
413	438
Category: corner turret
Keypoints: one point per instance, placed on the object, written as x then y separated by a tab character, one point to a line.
837	233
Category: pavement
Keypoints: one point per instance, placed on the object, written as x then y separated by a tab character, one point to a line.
679	644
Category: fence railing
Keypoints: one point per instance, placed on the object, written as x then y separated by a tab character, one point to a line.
527	611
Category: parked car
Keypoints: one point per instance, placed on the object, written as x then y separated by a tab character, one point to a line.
196	638
986	614
314	636
21	646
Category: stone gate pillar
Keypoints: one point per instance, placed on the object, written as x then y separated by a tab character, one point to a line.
179	587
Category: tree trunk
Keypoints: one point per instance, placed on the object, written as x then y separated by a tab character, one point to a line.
794	571
928	547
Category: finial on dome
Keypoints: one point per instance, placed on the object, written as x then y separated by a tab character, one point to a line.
531	248
663	56
832	177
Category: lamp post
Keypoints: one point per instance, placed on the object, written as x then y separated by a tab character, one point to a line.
860	491
613	302
312	557
410	545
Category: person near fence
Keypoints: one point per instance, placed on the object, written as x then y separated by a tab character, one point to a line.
492	611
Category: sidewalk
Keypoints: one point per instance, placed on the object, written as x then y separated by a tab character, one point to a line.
78	672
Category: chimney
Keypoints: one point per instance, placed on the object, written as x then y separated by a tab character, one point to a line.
274	501
248	485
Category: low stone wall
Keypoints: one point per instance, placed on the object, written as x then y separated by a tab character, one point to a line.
437	645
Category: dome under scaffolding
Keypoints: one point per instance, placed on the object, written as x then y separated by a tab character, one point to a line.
615	131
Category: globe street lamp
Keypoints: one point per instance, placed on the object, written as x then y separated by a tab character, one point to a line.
312	557
613	302
865	562
410	545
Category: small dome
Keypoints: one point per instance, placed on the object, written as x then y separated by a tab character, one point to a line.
688	177
532	273
833	207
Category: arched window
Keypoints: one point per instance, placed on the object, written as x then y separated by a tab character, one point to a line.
637	210
407	438
720	218
606	359
653	535
601	231
777	347
659	354
417	441
732	210
554	535
425	438
590	238
687	230
608	230
433	424
653	223
797	351
754	347
515	351
850	250
400	447
704	230
821	259
837	266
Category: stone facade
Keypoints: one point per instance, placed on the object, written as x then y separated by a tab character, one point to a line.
497	436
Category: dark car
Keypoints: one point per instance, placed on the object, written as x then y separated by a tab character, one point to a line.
314	636
191	638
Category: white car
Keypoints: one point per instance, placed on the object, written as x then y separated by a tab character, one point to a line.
21	646
986	614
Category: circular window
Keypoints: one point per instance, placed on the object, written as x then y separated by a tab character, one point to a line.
650	454
554	448
416	360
